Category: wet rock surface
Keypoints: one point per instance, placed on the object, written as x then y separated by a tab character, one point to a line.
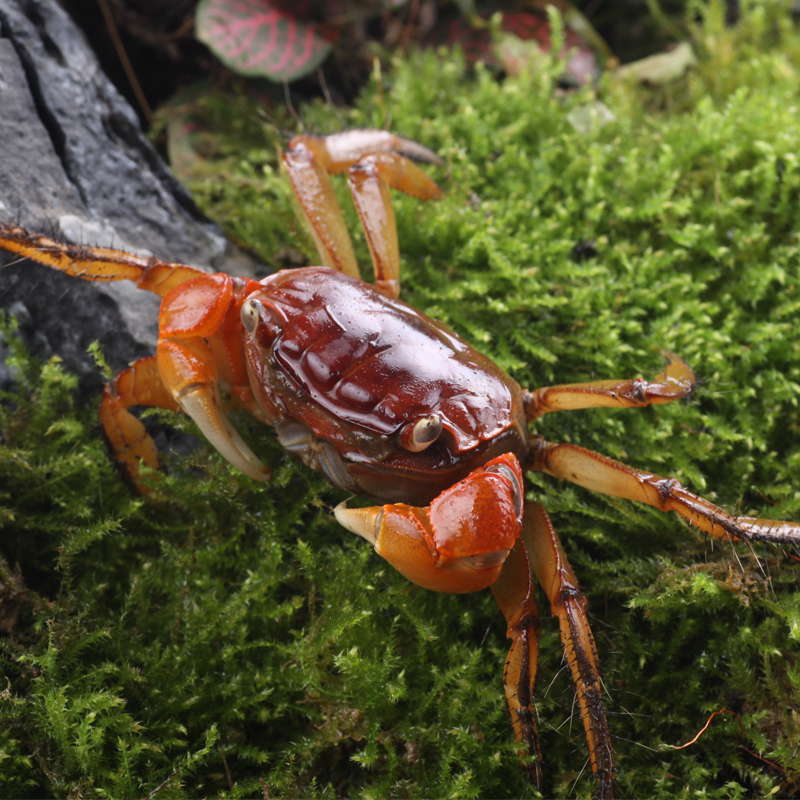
75	164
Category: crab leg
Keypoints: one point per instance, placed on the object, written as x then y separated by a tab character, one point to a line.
96	263
569	605
601	474
515	595
127	437
377	161
676	380
370	180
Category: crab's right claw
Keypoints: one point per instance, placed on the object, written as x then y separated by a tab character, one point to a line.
460	541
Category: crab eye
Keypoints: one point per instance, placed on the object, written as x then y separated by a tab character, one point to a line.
418	435
251	312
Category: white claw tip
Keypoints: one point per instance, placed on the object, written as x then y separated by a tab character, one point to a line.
364	522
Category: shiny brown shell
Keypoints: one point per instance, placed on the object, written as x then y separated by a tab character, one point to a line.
353	367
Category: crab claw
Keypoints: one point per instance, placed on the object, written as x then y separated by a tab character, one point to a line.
460	541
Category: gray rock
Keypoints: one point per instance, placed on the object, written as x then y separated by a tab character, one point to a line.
75	163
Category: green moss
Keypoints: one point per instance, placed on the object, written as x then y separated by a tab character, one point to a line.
234	641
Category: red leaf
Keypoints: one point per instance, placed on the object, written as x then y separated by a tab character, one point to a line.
254	38
476	43
529	26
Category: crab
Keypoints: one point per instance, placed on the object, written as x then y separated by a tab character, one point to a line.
389	403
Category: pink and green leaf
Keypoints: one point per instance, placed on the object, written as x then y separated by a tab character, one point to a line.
255	38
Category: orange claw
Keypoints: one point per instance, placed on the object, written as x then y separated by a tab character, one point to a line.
189	321
460	541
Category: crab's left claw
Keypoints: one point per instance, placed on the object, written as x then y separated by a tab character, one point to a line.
191	322
460	541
